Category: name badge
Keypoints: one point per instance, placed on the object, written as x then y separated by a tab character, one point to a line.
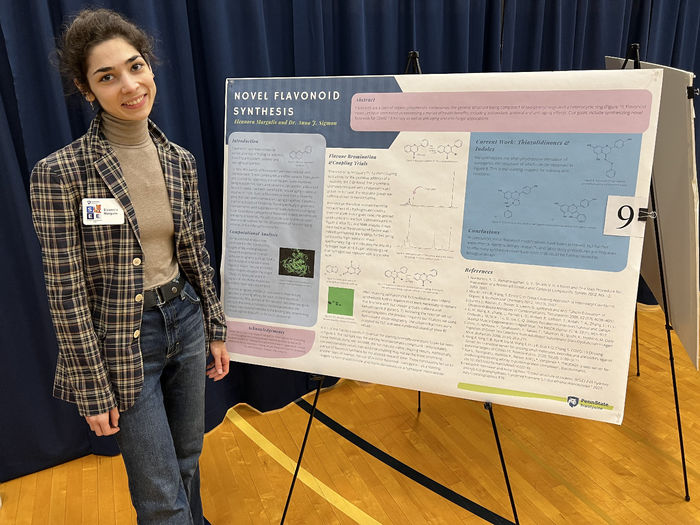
102	211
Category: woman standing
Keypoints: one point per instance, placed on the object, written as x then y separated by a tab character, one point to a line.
128	278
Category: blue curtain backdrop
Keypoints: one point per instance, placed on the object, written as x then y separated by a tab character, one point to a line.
200	44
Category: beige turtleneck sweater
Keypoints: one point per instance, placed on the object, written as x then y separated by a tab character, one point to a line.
143	174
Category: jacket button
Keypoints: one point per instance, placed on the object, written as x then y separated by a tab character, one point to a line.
138	298
137	333
136	261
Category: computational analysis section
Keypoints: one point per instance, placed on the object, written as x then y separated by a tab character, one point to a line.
273	226
540	198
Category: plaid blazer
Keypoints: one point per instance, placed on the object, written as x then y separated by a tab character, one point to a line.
94	273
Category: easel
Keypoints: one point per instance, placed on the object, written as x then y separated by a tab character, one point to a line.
312	414
633	53
303	443
413	66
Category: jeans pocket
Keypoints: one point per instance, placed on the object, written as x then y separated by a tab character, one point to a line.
188	294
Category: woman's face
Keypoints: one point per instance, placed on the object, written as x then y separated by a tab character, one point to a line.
120	79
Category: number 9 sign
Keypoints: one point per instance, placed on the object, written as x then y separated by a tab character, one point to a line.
621	216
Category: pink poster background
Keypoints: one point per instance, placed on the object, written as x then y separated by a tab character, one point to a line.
268	341
585	111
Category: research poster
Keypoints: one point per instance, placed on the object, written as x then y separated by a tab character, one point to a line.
474	235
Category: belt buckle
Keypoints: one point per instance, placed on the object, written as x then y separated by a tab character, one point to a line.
159	295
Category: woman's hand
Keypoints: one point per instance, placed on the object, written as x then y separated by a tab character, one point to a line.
104	424
218	368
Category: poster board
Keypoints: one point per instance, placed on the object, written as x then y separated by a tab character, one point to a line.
675	181
473	235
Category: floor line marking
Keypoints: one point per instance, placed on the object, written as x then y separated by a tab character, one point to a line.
304	475
409	472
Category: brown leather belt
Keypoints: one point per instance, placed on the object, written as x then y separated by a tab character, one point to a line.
162	294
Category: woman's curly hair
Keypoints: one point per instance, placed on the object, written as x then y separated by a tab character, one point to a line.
89	28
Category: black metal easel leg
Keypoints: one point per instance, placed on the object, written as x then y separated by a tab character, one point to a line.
636	336
303	444
668	339
633	52
419	401
678	410
489	407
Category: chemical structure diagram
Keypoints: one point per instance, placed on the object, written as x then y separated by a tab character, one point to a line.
298	155
399	274
402	275
573	211
512	198
602	151
350	269
424	146
423	277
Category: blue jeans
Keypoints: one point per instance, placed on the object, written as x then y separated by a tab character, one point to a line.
161	436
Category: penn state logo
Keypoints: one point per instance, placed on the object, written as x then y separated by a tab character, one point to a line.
573	401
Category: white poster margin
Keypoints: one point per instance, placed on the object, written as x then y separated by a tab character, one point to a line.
524	81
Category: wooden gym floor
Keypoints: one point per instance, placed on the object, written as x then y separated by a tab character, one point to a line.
562	469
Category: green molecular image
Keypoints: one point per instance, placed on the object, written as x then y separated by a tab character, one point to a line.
297	264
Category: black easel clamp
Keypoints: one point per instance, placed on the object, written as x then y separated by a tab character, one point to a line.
693	92
633	54
413	65
643	214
